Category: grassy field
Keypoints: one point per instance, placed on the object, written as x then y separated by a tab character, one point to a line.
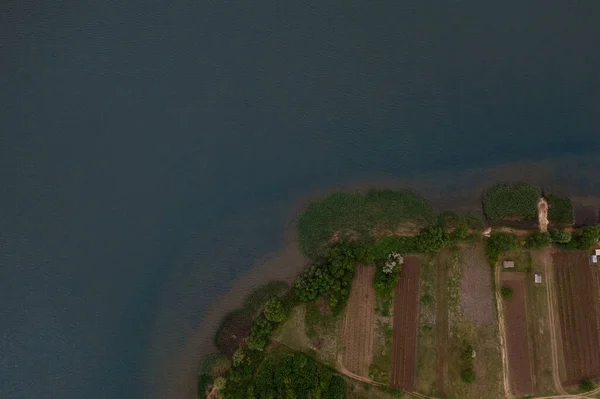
470	279
538	325
427	343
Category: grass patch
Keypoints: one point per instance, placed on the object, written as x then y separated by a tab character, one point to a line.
509	203
427	342
522	258
359	215
561	209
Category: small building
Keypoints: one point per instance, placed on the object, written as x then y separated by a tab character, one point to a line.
509	264
594	259
597	252
537	277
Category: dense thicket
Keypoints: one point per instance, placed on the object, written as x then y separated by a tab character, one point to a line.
290	375
359	215
561	209
584	238
538	239
498	243
511	202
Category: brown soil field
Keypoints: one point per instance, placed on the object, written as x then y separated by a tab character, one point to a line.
517	342
577	292
406	307
359	322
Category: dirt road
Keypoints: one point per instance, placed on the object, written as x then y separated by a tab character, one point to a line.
503	350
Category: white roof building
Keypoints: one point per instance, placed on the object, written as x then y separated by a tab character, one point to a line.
594	259
509	264
597	252
537	277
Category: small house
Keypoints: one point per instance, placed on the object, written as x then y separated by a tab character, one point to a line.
594	259
597	252
509	264
537	277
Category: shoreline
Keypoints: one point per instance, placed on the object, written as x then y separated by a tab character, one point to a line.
465	193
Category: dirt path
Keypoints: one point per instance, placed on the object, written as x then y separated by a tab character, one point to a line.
441	320
546	257
542	206
503	349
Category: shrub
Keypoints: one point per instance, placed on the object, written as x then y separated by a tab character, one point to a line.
432	239
560	236
561	209
511	202
259	337
585	238
359	214
426	299
586	385
274	311
538	239
468	376
394	393
499	243
507	292
449	220
473	221
460	232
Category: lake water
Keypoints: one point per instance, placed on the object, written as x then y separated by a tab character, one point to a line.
152	154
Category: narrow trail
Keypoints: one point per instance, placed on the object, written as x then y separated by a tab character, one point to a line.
543	206
501	325
547	259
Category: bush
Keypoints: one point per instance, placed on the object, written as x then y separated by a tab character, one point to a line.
507	292
585	238
359	215
473	221
426	299
394	393
499	243
586	385
259	337
449	220
560	236
511	202
432	239
460	232
538	239
274	311
468	376
561	209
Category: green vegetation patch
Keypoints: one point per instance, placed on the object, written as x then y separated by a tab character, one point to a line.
506	203
538	239
561	209
359	215
507	292
498	243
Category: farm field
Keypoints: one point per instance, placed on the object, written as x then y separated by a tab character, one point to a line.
577	294
473	332
406	306
359	322
518	348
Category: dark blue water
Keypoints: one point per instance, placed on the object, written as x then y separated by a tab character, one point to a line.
147	143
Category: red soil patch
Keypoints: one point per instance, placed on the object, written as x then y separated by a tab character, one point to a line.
406	310
359	322
515	317
578	301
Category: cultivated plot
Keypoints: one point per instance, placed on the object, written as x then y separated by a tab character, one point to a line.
359	322
577	293
515	317
406	307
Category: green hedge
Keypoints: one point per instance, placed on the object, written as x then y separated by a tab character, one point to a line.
561	209
511	203
359	215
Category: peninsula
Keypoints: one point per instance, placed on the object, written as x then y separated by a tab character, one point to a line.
401	300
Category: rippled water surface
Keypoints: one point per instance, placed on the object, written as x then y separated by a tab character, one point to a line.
152	154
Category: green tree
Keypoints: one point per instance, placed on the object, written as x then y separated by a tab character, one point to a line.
460	232
468	376
432	239
259	336
560	236
538	239
274	310
507	292
586	385
498	243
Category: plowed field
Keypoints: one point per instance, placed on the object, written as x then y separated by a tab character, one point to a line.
577	292
406	307
359	322
515	312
